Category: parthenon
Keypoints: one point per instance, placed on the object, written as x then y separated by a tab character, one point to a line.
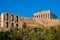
45	15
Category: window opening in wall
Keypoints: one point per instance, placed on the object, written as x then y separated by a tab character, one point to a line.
7	24
7	16
12	17
17	25
16	18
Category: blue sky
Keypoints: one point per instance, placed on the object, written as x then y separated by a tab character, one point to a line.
27	8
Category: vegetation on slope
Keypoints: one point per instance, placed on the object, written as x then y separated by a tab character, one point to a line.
27	33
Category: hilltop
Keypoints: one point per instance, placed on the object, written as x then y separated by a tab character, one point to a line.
41	22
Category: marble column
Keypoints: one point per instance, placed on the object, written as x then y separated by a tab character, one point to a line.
46	16
39	16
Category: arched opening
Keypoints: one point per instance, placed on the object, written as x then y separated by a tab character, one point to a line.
12	17
6	16
17	25
7	24
16	18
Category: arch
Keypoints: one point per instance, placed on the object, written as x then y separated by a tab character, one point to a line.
7	24
6	16
12	17
16	18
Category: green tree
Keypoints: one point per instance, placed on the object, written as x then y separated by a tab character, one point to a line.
24	25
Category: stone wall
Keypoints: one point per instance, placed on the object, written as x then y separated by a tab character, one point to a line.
10	20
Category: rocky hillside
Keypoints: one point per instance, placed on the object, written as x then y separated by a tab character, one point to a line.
41	22
48	22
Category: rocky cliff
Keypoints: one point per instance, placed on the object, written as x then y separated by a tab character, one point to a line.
41	22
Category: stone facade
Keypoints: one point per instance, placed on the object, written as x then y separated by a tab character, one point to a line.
45	15
10	20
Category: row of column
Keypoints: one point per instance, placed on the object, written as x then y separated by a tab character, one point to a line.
44	16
